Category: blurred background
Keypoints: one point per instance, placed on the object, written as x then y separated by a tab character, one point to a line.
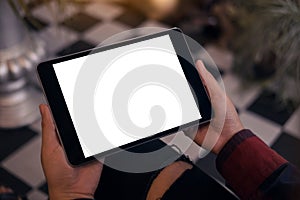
254	43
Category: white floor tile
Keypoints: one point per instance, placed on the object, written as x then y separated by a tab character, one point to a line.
36	195
263	128
26	163
292	126
57	37
53	13
241	95
104	31
103	11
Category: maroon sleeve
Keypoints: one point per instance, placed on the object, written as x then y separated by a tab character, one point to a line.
246	162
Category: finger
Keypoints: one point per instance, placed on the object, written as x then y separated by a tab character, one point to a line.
208	80
49	137
201	70
216	94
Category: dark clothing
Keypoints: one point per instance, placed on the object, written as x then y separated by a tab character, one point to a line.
251	169
255	171
116	184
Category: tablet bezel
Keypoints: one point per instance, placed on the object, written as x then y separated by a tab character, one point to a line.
61	115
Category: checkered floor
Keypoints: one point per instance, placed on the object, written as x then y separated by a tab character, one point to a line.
79	28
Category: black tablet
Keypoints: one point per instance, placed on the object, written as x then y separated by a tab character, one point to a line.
118	96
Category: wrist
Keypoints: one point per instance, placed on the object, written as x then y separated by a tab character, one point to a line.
69	196
224	138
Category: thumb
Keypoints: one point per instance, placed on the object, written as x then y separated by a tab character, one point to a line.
49	138
208	80
215	92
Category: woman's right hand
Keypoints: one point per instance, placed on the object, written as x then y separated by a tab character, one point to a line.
225	122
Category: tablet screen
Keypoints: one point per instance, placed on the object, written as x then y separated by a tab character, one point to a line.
117	63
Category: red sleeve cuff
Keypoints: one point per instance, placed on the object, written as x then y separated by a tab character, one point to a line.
245	162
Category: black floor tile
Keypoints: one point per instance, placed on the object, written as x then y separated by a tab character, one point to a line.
44	188
80	22
131	17
8	180
35	24
75	47
171	21
289	147
268	105
10	140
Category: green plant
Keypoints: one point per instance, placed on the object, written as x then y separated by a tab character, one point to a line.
264	27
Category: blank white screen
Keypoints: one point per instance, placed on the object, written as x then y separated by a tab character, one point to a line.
139	103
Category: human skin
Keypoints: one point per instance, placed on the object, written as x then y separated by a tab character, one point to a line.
222	127
225	123
64	181
67	182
